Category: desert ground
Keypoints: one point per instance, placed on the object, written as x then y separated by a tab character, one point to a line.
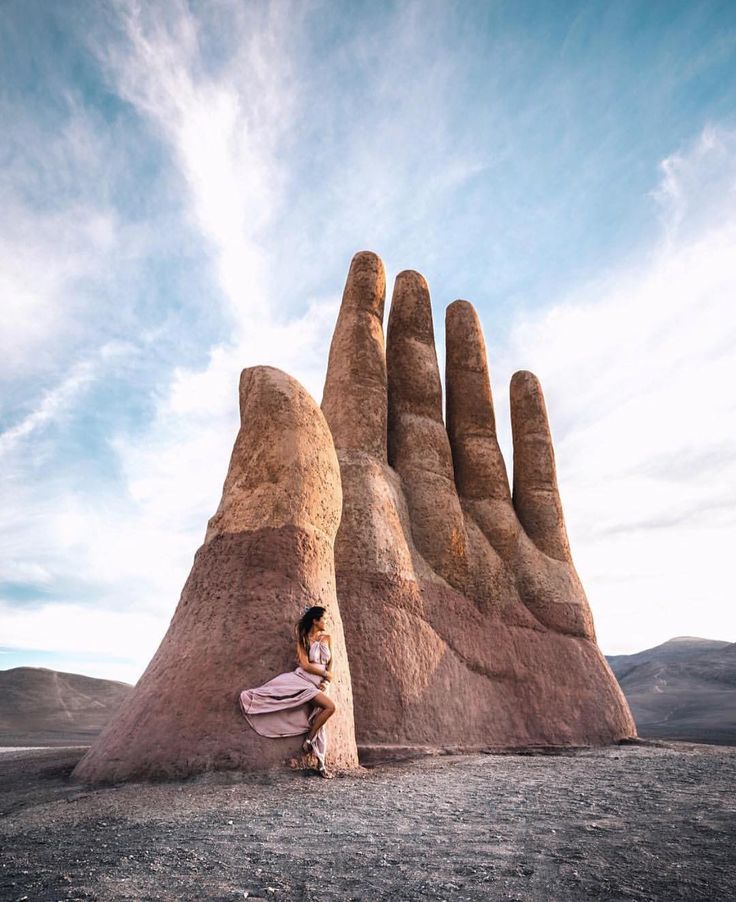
641	821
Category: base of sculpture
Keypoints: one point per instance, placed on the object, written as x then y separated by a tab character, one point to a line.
521	687
234	627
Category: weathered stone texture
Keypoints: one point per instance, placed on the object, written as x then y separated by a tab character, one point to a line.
466	622
267	552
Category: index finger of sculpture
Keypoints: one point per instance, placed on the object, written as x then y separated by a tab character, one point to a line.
535	494
419	449
354	399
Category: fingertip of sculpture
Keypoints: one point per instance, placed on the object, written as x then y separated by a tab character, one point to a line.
365	287
465	347
524	382
410	279
411	308
367	259
460	308
528	407
252	381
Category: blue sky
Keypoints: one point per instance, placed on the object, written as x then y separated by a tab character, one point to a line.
184	186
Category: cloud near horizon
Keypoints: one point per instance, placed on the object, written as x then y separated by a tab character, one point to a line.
130	326
638	370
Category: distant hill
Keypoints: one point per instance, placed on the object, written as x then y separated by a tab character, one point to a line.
45	707
683	689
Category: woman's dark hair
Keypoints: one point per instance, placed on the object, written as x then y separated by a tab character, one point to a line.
305	624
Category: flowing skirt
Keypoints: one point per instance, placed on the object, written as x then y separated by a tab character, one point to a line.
282	707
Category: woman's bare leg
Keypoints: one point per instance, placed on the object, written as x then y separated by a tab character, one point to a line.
328	709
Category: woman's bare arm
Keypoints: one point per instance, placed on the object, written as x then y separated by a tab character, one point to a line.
306	664
328	667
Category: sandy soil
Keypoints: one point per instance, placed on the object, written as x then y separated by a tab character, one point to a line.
651	821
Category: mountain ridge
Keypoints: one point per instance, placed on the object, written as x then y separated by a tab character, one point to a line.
683	688
42	706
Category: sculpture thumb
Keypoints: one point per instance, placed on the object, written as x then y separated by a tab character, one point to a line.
268	551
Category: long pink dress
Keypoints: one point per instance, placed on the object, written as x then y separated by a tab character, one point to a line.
281	707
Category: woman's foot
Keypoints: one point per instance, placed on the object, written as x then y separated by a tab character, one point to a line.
323	772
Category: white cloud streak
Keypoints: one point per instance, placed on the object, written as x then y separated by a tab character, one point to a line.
49	408
133	548
43	258
638	372
64	628
636	368
223	129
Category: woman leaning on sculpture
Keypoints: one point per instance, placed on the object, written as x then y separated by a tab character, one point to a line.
297	702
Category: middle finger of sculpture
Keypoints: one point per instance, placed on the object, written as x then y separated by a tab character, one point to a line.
466	623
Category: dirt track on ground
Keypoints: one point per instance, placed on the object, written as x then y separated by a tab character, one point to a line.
654	822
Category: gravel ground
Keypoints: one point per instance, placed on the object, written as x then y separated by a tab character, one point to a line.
650	821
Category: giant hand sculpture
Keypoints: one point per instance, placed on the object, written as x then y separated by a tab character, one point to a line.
466	623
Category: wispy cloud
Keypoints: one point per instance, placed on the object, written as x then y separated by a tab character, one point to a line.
638	371
51	404
66	629
191	200
124	548
45	259
223	124
696	185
